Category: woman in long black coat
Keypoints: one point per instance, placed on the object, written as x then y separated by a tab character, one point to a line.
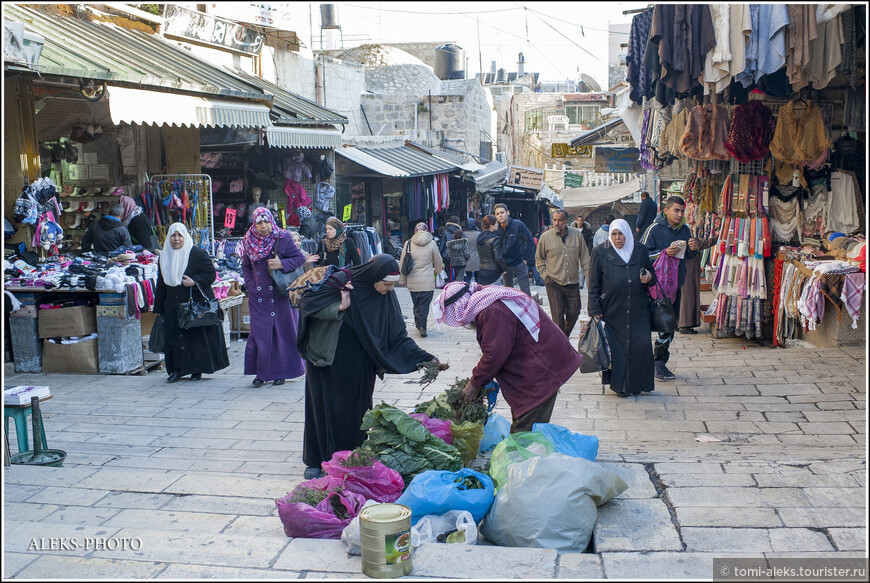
185	270
349	333
618	295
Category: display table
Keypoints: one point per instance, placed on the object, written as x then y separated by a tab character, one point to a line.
119	334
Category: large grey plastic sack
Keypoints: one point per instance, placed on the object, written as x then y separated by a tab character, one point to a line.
550	502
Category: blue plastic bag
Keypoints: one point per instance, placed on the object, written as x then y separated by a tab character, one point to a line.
439	491
495	430
569	442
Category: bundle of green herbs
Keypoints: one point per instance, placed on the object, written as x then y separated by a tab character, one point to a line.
450	405
430	371
357	459
401	442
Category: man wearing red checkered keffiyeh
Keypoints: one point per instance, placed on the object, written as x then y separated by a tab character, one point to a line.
522	348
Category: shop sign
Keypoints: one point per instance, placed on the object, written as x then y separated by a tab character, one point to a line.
345	215
567	150
230	218
205	29
617	160
573	180
272	15
532	178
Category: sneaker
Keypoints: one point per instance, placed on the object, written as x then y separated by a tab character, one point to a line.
422	332
663	374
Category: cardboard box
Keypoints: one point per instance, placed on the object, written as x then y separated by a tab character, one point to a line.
146	322
75	321
245	317
78	357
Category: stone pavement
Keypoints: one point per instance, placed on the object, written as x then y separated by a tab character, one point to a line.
751	452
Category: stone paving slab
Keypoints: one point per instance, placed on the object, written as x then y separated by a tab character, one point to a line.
635	525
48	566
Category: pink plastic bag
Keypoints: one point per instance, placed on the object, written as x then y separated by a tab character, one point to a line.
303	521
437	427
667	271
376	482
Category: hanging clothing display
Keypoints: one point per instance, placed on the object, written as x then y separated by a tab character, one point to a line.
800	134
826	53
801	30
732	25
685	33
751	131
706	131
639	77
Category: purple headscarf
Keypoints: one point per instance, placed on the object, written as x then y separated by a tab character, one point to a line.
257	246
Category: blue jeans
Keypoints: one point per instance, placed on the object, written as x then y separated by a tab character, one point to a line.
521	272
538	280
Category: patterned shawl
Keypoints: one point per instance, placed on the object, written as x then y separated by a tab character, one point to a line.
257	246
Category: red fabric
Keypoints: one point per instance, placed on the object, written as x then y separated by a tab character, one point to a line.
528	372
296	195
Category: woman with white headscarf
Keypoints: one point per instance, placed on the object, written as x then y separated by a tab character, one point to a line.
620	272
186	270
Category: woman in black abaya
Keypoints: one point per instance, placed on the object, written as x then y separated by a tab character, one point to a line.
350	330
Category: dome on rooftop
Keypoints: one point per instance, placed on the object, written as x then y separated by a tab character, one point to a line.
392	71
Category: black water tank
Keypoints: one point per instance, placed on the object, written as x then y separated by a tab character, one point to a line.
327	16
449	62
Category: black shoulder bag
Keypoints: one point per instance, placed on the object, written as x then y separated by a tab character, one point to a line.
194	313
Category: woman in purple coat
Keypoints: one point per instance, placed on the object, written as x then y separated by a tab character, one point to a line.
271	353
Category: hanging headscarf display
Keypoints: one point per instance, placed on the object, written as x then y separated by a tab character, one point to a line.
173	262
256	245
622	226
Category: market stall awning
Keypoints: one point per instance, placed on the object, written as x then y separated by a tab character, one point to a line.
403	161
139	106
289	137
576	199
595	134
484	176
490	175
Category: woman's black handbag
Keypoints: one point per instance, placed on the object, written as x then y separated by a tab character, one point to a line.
194	314
593	347
285	279
408	261
157	337
661	314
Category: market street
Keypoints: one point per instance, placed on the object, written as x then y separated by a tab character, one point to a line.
752	451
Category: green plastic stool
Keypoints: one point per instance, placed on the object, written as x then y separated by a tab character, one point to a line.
19	414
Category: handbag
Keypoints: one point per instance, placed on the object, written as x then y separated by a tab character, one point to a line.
594	349
157	337
408	261
661	313
195	314
285	279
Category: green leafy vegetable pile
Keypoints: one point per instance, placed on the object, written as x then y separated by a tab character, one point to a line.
311	496
430	371
401	442
449	405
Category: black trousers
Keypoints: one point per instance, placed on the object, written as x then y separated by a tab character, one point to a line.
661	347
421	307
564	304
540	414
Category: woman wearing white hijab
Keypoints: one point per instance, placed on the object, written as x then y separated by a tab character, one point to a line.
620	272
185	270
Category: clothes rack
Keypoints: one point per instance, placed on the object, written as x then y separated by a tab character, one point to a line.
201	228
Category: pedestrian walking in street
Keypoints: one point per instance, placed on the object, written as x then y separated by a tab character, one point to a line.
489	250
618	278
307	224
601	234
690	293
421	281
335	248
560	256
646	214
186	272
522	348
668	228
351	331
473	265
447	232
458	253
271	353
516	244
586	230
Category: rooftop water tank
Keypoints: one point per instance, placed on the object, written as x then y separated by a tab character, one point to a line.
449	62
327	16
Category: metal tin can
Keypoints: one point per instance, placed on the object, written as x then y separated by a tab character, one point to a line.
385	540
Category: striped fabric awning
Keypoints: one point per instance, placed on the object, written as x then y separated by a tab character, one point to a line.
142	107
301	137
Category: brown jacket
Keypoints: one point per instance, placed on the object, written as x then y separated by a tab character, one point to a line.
706	132
560	258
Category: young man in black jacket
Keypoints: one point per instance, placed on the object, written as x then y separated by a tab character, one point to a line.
516	241
645	215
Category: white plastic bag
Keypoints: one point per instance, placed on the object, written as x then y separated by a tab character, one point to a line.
441	279
430	526
350	534
550	502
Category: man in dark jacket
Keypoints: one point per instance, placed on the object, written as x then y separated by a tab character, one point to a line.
108	233
645	215
516	243
585	230
668	228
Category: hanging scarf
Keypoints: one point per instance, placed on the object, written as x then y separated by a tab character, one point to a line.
628	248
336	242
464	310
258	246
173	262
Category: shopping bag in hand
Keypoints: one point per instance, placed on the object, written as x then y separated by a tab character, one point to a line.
593	348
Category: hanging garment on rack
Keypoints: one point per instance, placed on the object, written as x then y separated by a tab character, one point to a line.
842	211
296	195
